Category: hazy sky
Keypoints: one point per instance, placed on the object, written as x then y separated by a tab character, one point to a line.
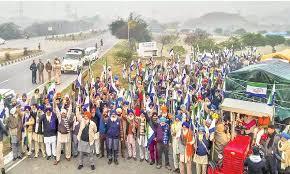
162	10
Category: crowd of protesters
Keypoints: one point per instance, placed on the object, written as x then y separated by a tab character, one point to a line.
165	108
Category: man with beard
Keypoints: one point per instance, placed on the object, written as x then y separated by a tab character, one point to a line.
113	135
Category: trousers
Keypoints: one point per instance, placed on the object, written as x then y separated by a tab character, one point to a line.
50	145
131	145
163	149
153	151
113	146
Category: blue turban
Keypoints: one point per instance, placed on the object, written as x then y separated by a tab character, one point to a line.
285	135
185	124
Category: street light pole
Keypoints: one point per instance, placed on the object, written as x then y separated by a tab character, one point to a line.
128	31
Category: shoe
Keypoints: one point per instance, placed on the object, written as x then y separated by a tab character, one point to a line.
129	158
75	156
20	157
158	166
80	167
14	159
93	167
48	157
55	163
176	170
98	155
2	171
43	156
141	160
53	157
116	162
147	160
68	159
135	159
110	161
168	167
152	162
35	156
102	156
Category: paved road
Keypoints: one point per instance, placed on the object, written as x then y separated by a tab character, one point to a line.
42	166
18	76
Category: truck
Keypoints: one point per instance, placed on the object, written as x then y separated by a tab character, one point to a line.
73	60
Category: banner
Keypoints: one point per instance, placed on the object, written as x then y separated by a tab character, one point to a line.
257	89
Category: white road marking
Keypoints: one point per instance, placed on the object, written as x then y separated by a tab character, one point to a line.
4	81
14	165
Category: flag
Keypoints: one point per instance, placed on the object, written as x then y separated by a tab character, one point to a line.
79	102
211	128
271	97
51	89
79	80
256	89
151	89
187	100
87	103
171	53
132	66
124	72
150	134
2	108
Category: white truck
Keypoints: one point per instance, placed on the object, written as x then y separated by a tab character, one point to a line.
73	60
91	54
2	41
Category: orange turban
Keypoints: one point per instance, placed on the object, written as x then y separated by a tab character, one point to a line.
88	114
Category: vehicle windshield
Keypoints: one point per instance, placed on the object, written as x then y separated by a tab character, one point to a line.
72	56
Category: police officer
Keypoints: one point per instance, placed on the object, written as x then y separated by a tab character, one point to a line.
33	69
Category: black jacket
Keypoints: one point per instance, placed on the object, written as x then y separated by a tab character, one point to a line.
49	129
33	67
256	165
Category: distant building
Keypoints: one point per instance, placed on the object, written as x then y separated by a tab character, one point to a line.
147	49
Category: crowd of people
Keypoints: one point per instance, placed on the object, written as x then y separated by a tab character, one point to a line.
164	107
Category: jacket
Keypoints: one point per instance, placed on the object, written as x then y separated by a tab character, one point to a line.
13	122
40	67
113	128
33	67
102	123
92	131
3	131
255	165
163	134
48	67
49	128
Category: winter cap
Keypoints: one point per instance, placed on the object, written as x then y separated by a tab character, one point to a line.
126	103
256	150
185	124
190	87
40	107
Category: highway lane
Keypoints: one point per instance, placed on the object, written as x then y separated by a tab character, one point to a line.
18	76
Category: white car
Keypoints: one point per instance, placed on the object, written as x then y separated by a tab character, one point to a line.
2	41
91	54
72	62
